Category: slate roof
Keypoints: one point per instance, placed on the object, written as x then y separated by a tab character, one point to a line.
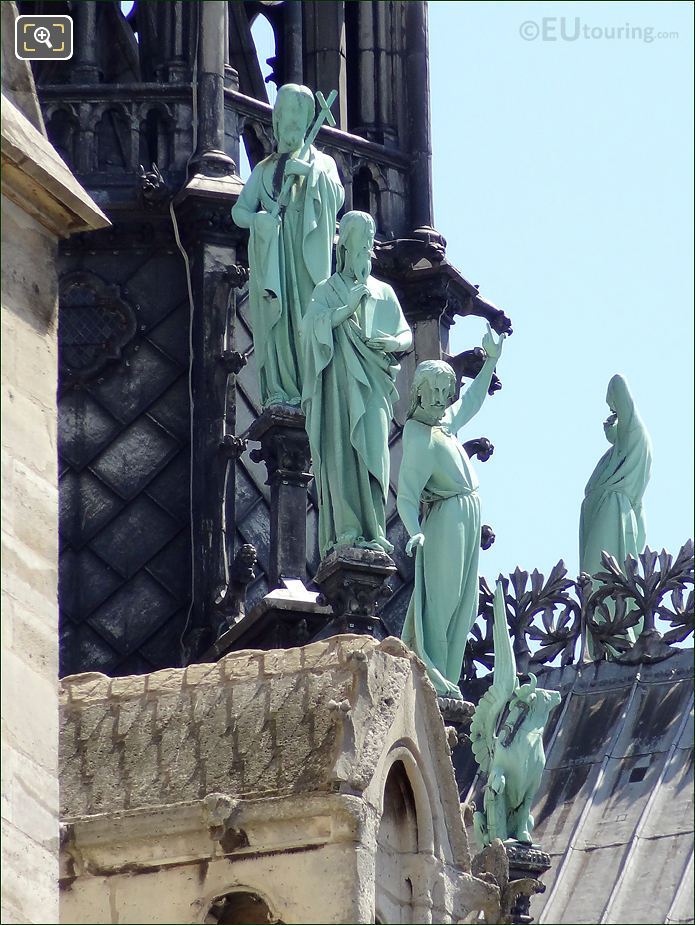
615	809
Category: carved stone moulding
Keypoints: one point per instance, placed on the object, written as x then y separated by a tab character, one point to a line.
284	448
95	323
354	582
526	863
455	712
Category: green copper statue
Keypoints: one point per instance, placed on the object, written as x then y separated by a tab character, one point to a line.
289	203
612	518
352	329
510	755
437	473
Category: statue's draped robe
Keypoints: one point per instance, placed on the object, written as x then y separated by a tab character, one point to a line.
437	472
349	391
612	517
286	265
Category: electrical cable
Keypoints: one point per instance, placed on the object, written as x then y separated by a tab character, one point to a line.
191	303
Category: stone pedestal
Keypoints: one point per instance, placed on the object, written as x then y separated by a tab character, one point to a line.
457	715
526	862
353	582
286	617
285	451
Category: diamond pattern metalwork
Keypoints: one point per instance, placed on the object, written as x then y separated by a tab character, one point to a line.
124	447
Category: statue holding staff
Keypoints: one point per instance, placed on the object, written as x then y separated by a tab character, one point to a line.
437	474
289	204
352	329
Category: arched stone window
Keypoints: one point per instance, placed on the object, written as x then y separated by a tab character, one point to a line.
113	141
365	192
241	907
62	128
397	847
155	140
265	43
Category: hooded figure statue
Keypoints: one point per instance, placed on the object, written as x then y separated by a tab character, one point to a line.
612	518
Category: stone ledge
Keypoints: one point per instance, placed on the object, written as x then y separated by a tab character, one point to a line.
245	665
194	830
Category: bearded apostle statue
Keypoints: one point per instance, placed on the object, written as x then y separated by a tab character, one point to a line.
437	477
353	327
289	204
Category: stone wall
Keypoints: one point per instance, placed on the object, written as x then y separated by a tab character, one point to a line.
40	202
29	568
279	774
252	724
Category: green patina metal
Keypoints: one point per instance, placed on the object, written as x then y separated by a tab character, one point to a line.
353	327
437	472
612	518
289	204
507	741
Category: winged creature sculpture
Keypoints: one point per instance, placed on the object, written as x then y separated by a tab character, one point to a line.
507	741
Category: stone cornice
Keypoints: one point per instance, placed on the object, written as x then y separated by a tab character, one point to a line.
38	180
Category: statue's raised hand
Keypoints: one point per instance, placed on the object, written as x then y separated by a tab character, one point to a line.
492	347
355	296
418	539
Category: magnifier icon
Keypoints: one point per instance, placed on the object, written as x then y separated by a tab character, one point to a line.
42	35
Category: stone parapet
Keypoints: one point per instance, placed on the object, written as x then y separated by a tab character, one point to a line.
315	783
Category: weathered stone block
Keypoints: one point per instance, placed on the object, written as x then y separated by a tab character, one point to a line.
31	628
23	563
38	379
30	797
168	679
200	674
132	686
241	665
31	732
27	898
35	512
92	685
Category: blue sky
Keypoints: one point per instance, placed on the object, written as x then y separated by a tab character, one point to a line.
563	184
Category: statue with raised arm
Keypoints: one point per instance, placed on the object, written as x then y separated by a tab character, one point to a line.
353	327
289	204
436	473
612	518
507	741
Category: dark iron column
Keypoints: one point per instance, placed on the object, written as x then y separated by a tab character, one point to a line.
418	75
293	52
203	210
323	25
285	451
209	158
85	70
